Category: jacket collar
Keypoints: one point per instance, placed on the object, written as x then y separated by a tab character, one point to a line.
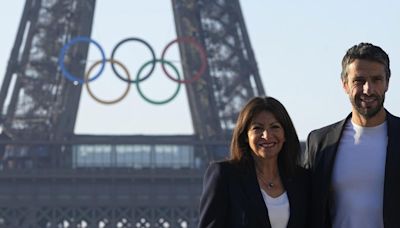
253	193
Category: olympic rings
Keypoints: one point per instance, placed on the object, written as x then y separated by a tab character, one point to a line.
86	79
112	61
148	99
152	54
64	50
201	51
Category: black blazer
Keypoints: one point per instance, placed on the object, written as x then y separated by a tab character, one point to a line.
232	197
322	145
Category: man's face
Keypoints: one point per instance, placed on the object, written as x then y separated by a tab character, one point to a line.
366	86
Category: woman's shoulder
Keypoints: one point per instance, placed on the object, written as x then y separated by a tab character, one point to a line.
222	165
301	170
227	166
218	172
302	174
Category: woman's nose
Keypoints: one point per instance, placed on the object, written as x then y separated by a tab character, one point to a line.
265	133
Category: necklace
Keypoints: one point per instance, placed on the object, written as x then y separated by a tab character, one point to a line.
269	184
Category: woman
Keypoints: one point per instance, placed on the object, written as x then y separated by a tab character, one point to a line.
262	184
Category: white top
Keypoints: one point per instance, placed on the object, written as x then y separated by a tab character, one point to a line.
358	177
278	209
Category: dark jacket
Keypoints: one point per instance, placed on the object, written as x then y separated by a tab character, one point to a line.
322	145
232	197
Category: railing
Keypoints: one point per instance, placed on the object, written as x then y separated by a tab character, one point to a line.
117	152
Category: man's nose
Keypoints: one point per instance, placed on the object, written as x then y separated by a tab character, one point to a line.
367	88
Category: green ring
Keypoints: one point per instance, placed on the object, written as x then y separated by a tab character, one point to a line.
140	91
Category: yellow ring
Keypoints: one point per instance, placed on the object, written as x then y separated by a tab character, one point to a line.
107	102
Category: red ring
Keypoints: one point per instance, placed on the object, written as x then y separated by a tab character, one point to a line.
202	54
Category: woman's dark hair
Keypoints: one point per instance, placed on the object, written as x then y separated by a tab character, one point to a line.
290	155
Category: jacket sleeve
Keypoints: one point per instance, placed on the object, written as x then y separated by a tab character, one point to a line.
214	199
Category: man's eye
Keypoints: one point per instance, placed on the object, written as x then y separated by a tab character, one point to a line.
359	81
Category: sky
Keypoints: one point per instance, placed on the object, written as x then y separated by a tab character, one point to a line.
298	48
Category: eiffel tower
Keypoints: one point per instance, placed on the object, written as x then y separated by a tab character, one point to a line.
51	177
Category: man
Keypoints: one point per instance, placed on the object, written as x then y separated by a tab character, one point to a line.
355	163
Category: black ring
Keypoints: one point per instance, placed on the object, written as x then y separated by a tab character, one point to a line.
152	53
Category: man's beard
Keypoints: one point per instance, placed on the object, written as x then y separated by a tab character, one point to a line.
370	111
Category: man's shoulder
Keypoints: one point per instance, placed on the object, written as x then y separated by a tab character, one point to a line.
321	132
319	139
392	117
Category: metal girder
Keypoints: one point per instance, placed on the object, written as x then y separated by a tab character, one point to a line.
43	104
232	77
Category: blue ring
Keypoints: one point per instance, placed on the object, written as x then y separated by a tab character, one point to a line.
64	50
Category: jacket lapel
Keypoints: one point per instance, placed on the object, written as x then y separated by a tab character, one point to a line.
253	194
291	192
327	157
322	173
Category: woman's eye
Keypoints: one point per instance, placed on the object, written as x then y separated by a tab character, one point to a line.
276	128
257	129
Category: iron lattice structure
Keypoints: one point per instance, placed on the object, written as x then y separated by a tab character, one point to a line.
50	177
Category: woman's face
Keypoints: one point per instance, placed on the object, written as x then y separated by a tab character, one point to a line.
265	135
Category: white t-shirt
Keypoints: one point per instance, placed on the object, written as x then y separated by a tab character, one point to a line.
278	209
358	177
